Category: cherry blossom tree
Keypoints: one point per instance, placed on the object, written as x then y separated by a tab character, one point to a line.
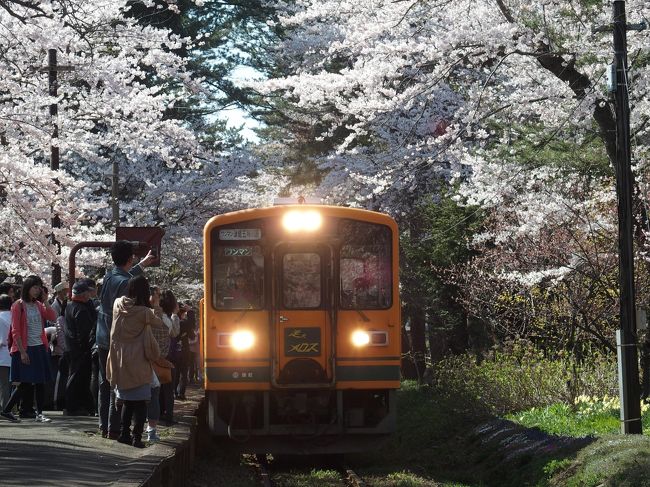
508	97
108	110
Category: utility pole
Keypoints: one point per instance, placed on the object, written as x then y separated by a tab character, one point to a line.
626	336
52	69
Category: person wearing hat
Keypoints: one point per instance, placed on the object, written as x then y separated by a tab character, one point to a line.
79	339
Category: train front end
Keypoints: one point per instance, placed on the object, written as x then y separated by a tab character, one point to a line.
301	328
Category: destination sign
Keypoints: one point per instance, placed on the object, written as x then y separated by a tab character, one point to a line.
240	234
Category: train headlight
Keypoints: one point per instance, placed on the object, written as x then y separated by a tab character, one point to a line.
241	340
299	220
372	338
360	338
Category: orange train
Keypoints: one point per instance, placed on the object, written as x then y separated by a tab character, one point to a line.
301	328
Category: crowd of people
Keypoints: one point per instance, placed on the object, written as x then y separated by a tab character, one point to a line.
123	351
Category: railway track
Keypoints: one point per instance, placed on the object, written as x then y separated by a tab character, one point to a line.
349	477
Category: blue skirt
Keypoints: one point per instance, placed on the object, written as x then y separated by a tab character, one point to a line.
140	393
37	372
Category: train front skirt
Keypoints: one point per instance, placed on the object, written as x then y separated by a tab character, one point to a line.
303	422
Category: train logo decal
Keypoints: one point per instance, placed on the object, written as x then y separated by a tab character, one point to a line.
298	333
303	342
304	347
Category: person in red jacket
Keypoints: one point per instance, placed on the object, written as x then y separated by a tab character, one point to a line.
29	360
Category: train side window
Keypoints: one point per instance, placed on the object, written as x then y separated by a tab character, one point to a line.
238	277
365	266
301	280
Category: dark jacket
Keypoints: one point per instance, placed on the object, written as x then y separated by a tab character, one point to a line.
80	326
187	331
93	309
114	286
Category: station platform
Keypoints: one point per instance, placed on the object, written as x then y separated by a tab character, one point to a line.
69	451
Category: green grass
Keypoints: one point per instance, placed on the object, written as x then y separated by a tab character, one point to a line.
165	433
403	479
437	445
592	419
559	419
298	478
613	461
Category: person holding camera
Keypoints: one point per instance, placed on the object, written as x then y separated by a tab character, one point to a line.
115	284
29	359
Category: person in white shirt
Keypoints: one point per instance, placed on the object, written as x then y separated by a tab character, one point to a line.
5	358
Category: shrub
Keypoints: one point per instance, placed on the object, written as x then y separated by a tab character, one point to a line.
519	377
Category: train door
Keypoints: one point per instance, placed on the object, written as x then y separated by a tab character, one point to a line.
302	308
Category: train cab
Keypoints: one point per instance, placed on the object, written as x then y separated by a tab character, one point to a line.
301	323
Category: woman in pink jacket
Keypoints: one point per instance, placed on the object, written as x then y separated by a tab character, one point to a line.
30	363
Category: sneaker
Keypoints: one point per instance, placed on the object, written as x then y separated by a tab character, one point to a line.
152	436
41	418
137	442
10	416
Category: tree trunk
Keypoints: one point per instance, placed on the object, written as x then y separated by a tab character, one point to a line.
409	371
418	340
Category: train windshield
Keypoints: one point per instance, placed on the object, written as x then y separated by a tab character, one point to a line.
301	280
365	266
238	276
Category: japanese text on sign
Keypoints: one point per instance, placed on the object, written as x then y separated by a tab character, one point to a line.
240	234
238	251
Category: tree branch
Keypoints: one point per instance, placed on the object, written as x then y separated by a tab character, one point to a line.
31	5
505	11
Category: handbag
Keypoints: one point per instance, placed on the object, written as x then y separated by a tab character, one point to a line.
163	369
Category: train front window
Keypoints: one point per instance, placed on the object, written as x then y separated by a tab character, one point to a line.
365	265
301	280
238	276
